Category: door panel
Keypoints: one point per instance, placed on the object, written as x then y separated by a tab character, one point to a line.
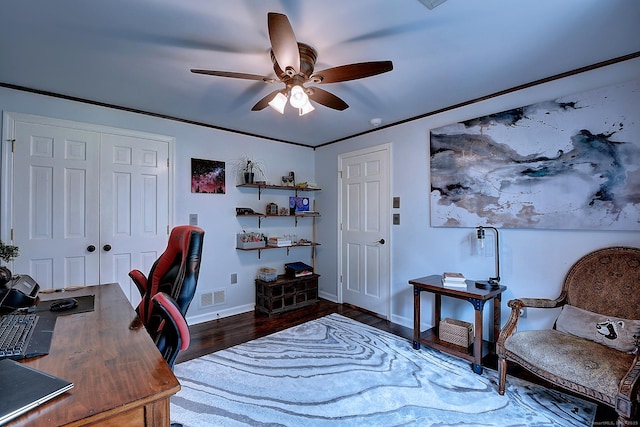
365	207
55	204
135	207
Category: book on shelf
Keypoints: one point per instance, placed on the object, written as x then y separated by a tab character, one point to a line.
454	280
307	213
278	241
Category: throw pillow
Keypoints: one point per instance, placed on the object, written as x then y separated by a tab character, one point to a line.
613	332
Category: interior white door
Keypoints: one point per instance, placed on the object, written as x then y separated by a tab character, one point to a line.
87	206
55	207
134	200
365	229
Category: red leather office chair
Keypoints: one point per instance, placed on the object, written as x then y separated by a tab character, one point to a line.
175	272
168	327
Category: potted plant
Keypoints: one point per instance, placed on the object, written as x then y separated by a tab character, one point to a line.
250	169
7	253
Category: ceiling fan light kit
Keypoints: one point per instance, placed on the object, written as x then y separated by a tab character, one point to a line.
293	64
279	102
306	108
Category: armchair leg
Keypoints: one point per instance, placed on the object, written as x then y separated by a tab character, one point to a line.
627	411
502	374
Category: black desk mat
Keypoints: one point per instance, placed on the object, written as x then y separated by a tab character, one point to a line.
85	304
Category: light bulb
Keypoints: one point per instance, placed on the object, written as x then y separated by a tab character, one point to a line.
306	108
298	98
278	102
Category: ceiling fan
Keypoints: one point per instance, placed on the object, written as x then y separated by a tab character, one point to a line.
293	64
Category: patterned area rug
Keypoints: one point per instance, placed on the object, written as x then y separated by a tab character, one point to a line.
339	372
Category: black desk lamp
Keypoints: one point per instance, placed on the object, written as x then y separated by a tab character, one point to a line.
493	282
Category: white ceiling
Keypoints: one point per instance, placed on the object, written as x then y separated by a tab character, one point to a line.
137	54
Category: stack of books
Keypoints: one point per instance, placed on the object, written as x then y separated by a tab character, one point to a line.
297	269
278	241
307	213
453	280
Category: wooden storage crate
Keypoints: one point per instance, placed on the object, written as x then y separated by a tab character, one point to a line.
286	294
456	332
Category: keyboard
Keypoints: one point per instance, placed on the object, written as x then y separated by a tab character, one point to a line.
15	333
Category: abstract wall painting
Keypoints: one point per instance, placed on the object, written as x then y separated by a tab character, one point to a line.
571	163
207	176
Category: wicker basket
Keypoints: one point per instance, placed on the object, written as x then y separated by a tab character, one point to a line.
456	332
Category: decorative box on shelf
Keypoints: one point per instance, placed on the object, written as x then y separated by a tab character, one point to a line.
456	332
250	241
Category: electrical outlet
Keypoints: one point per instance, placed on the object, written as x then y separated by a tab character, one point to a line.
234	278
523	312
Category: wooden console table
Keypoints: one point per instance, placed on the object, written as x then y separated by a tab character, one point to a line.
477	297
120	378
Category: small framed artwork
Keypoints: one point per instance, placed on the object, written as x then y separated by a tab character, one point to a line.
300	204
207	176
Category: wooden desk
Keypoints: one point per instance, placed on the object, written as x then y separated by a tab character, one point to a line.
120	378
477	297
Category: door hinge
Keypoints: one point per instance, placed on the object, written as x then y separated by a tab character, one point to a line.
167	229
167	162
340	174
13	145
12	234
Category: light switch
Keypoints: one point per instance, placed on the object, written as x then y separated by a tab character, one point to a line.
193	219
396	202
396	219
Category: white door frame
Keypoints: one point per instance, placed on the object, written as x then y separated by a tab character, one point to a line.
387	149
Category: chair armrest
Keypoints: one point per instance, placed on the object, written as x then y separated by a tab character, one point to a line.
629	388
516	305
140	281
172	313
535	303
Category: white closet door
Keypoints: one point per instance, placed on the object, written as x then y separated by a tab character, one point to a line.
87	206
56	204
134	210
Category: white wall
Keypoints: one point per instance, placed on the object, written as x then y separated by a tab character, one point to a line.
216	212
533	261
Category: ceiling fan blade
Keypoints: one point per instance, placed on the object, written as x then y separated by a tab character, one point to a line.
234	75
283	42
327	99
344	73
264	102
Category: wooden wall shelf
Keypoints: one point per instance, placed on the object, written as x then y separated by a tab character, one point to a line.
261	187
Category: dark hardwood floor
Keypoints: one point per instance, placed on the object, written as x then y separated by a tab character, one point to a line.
219	334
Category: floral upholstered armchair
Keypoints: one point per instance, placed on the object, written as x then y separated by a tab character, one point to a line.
593	346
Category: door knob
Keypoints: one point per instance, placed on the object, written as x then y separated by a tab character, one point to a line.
91	248
381	241
106	248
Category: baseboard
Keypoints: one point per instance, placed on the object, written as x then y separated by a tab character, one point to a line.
219	314
404	321
328	297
